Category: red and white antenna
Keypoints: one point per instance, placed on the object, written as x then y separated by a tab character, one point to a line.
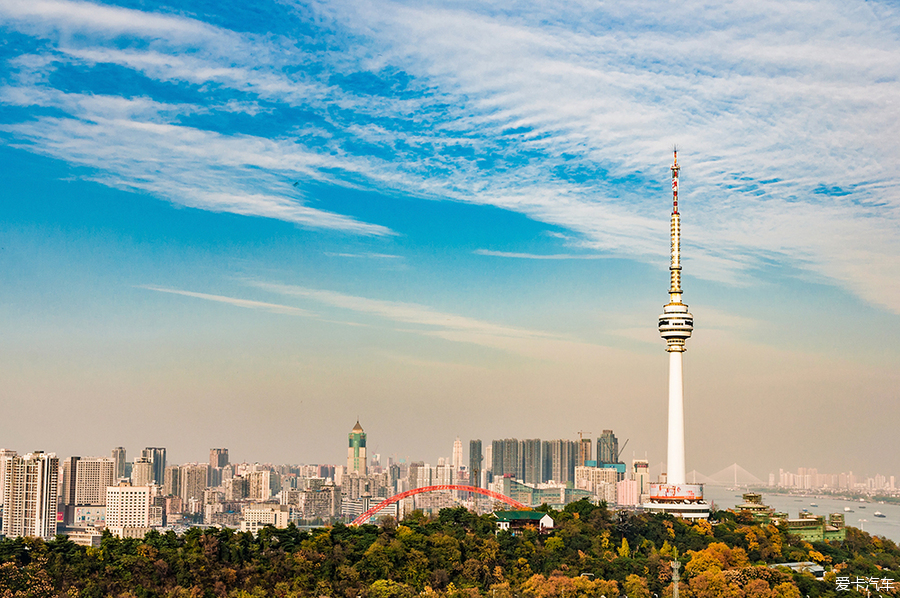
675	168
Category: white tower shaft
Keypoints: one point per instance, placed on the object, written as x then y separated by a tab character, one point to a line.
675	467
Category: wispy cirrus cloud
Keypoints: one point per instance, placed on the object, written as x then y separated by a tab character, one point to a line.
768	102
426	321
197	168
537	256
245	303
401	312
565	115
54	17
415	319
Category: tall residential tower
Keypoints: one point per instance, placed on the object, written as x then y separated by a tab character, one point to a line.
30	496
475	461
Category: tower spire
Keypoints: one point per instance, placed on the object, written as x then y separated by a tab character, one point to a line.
675	168
675	231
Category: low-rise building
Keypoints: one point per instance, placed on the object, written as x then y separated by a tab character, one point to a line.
813	528
353	508
89	536
516	521
754	507
257	516
818	571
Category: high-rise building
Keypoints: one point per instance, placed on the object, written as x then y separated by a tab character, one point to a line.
70	473
675	326
532	461
5	456
547	457
193	481
30	496
506	457
627	493
91	478
592	478
512	457
127	507
444	475
356	453
562	458
172	481
584	451
218	463
607	448
457	455
142	472
497	458
475	462
118	456
157	456
260	484
641	474
417	475
237	488
218	457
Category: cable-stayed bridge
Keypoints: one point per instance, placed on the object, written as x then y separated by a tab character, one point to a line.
733	475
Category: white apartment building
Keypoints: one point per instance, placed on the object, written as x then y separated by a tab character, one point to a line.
5	456
256	517
30	495
128	510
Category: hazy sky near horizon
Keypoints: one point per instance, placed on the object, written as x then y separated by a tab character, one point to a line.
249	224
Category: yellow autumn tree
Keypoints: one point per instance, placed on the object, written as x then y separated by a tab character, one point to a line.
713	584
715	557
786	590
636	587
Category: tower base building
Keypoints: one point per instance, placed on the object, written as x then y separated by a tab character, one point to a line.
679	500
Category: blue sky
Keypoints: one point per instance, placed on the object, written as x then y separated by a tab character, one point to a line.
248	225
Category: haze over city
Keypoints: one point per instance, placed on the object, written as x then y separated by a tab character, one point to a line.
251	225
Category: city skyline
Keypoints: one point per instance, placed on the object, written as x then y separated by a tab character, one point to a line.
827	477
225	227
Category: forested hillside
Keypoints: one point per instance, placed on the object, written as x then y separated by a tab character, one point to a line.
591	552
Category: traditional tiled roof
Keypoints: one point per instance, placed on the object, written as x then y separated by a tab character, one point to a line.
519	515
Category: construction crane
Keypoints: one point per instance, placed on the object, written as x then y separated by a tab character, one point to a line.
621	450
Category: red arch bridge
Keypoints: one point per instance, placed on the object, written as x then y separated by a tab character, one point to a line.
398	497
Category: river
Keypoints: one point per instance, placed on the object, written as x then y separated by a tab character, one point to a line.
889	526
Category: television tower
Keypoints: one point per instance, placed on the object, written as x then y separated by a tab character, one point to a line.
675	496
675	326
